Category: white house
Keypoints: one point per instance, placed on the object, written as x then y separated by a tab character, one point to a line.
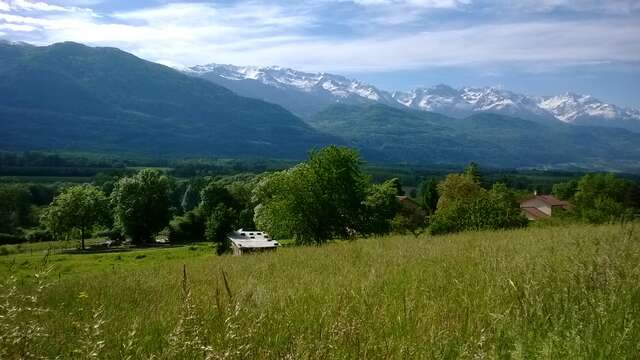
243	242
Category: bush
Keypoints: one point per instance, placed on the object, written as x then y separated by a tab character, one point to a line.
488	210
482	214
187	228
219	224
602	198
115	235
9	239
39	236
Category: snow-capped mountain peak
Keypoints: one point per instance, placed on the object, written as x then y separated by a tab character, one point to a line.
467	101
285	78
328	88
586	110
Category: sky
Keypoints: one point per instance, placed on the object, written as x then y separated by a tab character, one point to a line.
536	47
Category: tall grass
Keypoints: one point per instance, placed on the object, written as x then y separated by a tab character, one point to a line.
571	292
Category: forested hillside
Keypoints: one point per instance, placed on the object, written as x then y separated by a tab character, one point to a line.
424	137
73	97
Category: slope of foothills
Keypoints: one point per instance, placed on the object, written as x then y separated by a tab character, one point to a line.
73	97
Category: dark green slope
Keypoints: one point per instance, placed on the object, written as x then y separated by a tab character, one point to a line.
73	97
422	137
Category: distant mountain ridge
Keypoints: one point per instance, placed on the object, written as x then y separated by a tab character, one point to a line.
68	96
302	93
418	136
307	93
72	97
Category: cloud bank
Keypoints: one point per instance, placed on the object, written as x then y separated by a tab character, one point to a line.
339	35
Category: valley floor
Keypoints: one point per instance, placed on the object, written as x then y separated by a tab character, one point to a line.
559	292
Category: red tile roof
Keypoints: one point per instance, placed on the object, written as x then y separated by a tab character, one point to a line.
533	213
552	200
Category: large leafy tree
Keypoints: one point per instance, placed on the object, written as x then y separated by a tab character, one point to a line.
604	197
473	172
219	224
81	208
458	188
381	205
15	207
316	200
141	204
565	190
214	194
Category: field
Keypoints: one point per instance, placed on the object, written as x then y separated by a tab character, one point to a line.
557	292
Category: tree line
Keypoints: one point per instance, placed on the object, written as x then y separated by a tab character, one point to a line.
329	196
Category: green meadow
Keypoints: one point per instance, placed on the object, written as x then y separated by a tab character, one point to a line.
555	292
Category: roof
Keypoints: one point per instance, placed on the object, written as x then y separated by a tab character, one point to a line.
552	200
252	239
534	213
549	200
405	199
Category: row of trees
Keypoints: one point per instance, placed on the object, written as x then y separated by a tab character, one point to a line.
138	207
141	206
328	196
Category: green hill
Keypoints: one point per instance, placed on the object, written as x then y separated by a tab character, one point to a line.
422	137
69	96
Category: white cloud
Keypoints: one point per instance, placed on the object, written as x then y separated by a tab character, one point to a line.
36	5
257	34
438	4
17	27
578	6
526	43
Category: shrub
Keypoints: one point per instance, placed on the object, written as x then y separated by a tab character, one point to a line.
219	224
487	210
602	198
9	239
116	235
482	214
186	228
39	235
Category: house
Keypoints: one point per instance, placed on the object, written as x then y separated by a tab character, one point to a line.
541	206
407	204
244	242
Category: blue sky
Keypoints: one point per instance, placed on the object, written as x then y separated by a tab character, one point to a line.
542	47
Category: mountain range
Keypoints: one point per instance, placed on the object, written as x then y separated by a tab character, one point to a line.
73	97
305	94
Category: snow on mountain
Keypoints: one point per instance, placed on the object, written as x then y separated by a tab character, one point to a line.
586	110
329	88
466	101
284	78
